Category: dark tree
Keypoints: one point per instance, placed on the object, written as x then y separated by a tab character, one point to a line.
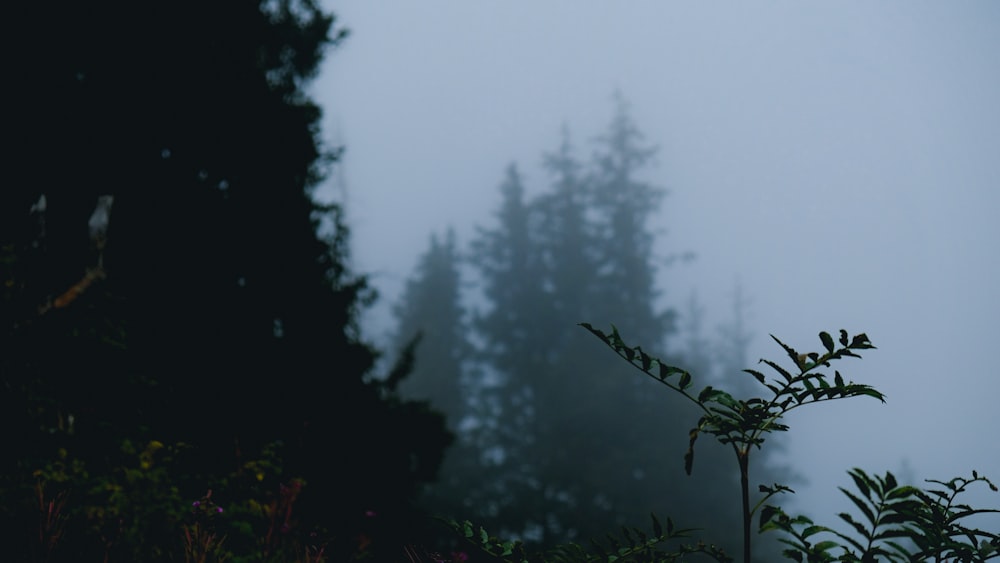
200	306
512	329
624	205
575	462
431	322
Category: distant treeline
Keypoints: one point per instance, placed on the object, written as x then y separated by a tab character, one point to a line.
556	442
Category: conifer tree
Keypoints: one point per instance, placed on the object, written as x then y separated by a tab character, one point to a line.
432	335
212	314
431	315
624	204
588	242
513	351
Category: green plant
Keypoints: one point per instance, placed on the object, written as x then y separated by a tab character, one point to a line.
931	521
202	543
631	544
51	521
896	523
744	424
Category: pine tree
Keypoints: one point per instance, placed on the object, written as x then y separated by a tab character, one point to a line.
513	332
433	334
206	310
587	464
624	205
430	313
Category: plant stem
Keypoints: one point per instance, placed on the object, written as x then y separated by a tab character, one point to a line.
743	455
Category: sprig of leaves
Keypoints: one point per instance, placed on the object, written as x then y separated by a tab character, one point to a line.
938	521
890	515
631	544
508	551
743	423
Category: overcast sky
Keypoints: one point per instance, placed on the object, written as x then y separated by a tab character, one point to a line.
841	159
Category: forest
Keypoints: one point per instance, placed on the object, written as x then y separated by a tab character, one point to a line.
184	372
549	446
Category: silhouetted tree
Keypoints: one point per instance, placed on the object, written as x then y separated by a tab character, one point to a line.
512	331
206	309
624	205
734	338
583	251
699	356
431	312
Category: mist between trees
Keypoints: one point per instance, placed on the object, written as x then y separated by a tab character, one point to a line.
555	440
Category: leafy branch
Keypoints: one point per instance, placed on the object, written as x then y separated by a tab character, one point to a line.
939	533
895	523
632	544
742	424
892	514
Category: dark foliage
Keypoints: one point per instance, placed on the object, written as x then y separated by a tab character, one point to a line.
203	308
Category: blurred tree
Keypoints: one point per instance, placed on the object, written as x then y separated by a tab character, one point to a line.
513	332
433	330
652	478
204	309
430	313
575	464
623	204
697	348
734	341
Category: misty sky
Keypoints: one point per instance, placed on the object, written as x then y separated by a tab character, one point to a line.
840	159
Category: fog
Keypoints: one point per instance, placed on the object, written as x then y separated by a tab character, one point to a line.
839	160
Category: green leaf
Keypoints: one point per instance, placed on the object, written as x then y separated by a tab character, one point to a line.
596	332
862	506
827	341
813	530
705	394
861	341
689	454
685	381
792	554
857	527
789	350
615	340
657	528
784	373
843	337
825	546
758	375
890	481
861	481
645	359
766	513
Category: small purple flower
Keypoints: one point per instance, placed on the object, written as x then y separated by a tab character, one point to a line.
196	503
218	509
